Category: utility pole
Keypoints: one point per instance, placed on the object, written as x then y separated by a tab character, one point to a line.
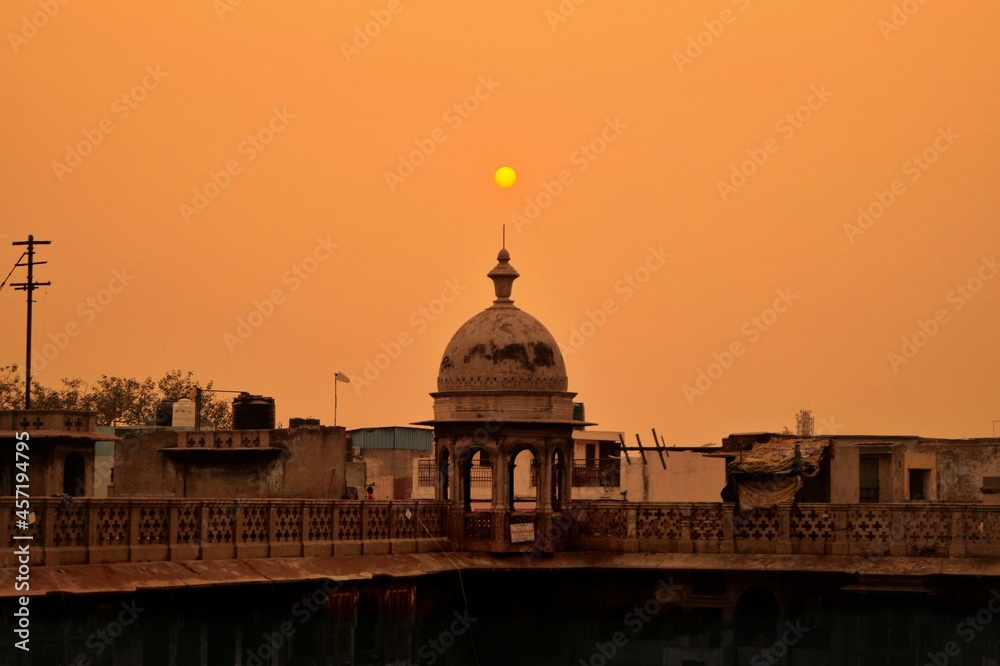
29	287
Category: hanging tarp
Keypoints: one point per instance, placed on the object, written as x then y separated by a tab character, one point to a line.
772	473
763	493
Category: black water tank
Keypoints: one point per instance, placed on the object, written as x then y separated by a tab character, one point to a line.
253	412
579	413
165	413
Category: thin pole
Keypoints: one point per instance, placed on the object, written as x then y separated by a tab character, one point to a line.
335	382
29	287
27	335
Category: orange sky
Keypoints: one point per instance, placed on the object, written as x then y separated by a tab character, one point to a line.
308	129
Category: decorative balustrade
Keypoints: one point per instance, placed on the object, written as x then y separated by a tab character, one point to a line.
903	530
89	530
478	525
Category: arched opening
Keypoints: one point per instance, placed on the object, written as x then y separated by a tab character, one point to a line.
444	475
74	475
557	479
477	479
523	470
756	619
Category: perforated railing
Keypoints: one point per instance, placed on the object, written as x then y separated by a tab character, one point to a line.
907	530
92	530
76	531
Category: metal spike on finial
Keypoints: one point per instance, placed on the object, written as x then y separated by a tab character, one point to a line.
503	245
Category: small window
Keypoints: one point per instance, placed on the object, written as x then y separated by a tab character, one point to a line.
920	484
869	479
426	473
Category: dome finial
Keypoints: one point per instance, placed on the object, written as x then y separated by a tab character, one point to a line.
503	276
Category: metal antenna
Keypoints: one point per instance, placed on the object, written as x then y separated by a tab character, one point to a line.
504	232
29	287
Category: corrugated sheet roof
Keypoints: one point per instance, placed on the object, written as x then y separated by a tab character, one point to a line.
393	437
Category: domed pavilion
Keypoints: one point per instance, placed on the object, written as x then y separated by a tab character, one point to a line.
502	391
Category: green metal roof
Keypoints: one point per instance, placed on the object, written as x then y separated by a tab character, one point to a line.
393	437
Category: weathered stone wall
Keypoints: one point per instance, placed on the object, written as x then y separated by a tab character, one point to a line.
957	467
140	469
305	462
960	470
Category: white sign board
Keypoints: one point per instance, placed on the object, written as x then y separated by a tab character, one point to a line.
522	533
183	414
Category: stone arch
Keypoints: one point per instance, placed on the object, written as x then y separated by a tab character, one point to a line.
476	464
519	472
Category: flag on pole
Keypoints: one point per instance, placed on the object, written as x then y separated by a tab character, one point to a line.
341	377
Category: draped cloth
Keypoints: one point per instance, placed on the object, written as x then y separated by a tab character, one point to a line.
769	474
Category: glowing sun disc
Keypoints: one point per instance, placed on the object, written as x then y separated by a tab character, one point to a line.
505	177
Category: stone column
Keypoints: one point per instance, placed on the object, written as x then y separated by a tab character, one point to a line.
543	494
543	499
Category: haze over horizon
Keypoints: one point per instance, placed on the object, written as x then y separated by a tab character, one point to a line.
724	213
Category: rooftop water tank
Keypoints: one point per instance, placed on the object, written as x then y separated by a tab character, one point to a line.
253	412
165	413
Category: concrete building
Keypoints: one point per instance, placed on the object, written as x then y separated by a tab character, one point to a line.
302	462
602	470
390	456
862	469
59	454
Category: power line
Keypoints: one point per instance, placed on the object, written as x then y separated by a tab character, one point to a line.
16	264
29	286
